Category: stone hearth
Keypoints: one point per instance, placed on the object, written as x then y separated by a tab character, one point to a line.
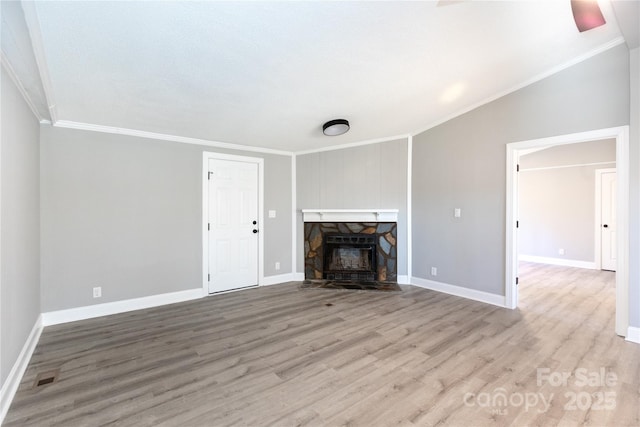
386	240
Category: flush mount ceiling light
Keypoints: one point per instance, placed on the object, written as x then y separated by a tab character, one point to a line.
335	127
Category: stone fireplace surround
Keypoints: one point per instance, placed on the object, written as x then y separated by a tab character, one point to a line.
381	223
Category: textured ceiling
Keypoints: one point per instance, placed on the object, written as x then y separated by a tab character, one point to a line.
268	74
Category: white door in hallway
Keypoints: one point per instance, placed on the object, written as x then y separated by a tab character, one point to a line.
233	224
608	221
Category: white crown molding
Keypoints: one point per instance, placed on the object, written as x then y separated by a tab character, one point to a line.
11	383
33	25
106	309
6	64
460	291
165	137
581	58
354	144
69	124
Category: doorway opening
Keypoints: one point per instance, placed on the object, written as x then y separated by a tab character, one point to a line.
514	150
559	191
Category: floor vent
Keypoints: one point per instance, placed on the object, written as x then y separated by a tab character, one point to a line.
46	378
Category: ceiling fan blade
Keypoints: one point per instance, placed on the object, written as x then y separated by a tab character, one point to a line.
587	14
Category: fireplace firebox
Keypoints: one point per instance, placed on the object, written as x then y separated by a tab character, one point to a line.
350	257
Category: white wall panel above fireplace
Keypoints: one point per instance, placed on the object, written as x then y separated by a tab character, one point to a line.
350	215
370	179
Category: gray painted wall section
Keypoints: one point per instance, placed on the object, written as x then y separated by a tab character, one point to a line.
556	207
369	176
20	226
125	213
277	231
461	164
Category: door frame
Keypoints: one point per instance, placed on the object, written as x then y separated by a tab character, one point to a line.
598	217
621	135
209	155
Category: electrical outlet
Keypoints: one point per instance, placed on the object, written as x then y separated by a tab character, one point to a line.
272	214
561	251
457	213
434	271
97	292
277	266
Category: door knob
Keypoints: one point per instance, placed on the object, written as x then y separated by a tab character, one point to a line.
255	231
605	226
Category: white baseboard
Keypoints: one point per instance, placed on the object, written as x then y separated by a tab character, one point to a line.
558	261
278	279
460	291
633	334
98	310
10	386
298	277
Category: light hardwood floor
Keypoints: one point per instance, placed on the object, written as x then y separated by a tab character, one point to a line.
282	356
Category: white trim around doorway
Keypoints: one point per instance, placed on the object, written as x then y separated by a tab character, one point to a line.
621	135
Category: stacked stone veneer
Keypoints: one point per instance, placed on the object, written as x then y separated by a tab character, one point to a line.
386	233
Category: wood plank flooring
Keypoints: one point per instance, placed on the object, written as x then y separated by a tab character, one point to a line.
286	357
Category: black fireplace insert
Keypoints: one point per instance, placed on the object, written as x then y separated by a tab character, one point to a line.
350	257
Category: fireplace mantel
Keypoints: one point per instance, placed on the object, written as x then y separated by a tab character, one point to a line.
350	215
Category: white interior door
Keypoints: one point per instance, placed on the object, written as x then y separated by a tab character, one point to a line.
608	228
233	224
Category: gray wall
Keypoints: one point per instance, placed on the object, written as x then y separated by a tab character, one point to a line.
369	176
20	224
277	231
125	213
461	163
557	199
